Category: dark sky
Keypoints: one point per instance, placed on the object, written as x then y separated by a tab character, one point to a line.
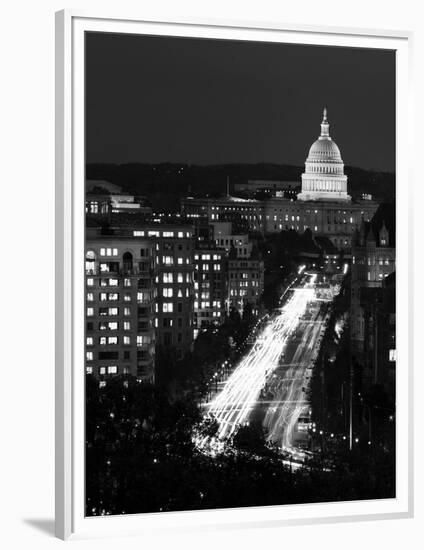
159	99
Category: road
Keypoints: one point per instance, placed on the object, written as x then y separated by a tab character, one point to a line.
274	375
233	405
290	384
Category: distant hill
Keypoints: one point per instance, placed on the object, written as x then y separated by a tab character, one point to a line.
163	183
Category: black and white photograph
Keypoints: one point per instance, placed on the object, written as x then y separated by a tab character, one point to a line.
240	274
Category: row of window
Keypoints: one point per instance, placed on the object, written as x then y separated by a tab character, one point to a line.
111	369
164	234
144	252
169	260
205	267
208	304
244	275
207	256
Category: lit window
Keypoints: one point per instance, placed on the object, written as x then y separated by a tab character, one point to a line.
180	277
127	311
180	234
90	297
90	312
113	282
143	339
89	355
167	260
392	355
180	293
180	261
167	277
127	325
127	282
103	252
89	341
127	340
127	298
90	282
143	296
167	293
112	340
113	369
167	307
138	233
102	370
89	370
168	234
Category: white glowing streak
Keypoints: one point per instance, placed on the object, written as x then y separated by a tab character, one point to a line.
232	406
281	421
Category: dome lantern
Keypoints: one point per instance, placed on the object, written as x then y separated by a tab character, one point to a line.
325	127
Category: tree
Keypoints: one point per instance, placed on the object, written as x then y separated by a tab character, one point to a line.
250	438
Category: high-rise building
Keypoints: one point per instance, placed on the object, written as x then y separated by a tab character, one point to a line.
174	253
120	297
245	281
173	243
210	285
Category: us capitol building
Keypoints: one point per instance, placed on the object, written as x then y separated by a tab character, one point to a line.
323	205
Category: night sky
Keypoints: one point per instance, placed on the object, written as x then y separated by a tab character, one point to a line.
198	101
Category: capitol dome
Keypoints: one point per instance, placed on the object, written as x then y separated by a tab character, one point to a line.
324	177
324	150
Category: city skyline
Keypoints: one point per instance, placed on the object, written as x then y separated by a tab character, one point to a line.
206	102
240	346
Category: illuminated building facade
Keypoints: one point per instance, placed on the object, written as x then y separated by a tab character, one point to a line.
323	205
245	281
119	301
210	286
373	260
174	255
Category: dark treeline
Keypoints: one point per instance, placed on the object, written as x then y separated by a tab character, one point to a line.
158	181
140	457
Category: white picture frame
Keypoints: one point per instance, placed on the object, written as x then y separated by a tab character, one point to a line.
70	520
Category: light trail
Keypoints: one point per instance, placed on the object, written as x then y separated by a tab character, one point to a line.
281	421
233	404
282	416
